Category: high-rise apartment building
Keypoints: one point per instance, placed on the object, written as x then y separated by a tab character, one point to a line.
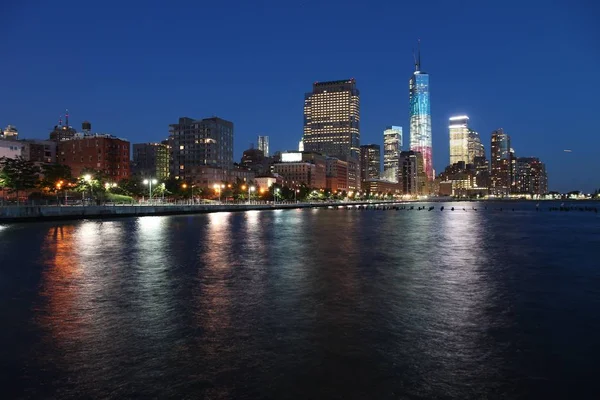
331	119
151	160
370	161
501	175
530	176
200	143
420	117
263	145
412	173
100	152
392	145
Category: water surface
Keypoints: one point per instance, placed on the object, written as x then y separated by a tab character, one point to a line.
314	303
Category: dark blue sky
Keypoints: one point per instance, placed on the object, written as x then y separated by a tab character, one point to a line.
531	67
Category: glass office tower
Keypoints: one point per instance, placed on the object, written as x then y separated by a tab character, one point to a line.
420	117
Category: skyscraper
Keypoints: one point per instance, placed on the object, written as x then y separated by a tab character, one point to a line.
465	143
501	163
459	139
200	143
370	161
412	175
475	147
392	145
263	145
420	116
331	119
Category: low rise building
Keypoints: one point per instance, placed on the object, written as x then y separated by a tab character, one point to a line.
10	149
381	187
101	152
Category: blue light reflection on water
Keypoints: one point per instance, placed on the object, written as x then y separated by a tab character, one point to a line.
304	303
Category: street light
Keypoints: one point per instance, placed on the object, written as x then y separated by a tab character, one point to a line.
250	190
88	179
150	182
219	188
295	192
275	191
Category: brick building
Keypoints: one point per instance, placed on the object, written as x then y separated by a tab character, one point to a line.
104	153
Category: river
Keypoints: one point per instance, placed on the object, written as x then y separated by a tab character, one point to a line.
299	304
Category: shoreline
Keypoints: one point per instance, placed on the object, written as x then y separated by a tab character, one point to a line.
28	214
18	214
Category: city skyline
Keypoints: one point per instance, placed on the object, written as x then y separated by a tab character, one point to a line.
109	88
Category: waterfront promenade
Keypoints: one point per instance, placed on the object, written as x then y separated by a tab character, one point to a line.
29	213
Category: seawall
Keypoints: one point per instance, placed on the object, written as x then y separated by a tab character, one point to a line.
48	213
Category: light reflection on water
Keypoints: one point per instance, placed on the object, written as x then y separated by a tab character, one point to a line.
304	304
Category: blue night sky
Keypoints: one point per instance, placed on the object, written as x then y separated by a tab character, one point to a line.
132	68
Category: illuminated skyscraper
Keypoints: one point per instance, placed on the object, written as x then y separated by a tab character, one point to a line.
370	161
392	145
263	145
420	116
331	119
459	139
465	144
501	163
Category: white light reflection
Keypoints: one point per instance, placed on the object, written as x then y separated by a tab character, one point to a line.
154	288
214	297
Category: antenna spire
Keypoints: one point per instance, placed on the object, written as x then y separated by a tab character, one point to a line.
419	58
60	120
67	118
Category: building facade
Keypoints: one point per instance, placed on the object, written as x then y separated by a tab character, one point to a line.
10	149
332	119
459	139
413	178
420	117
302	168
254	159
99	152
200	143
370	161
336	172
39	151
501	175
151	160
263	145
392	145
382	187
530	176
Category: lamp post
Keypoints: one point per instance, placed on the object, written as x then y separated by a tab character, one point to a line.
219	188
275	191
87	178
296	192
250	190
150	182
58	186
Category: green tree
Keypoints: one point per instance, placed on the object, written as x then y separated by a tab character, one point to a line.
56	177
18	174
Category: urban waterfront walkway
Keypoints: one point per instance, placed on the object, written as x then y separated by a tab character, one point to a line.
28	213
